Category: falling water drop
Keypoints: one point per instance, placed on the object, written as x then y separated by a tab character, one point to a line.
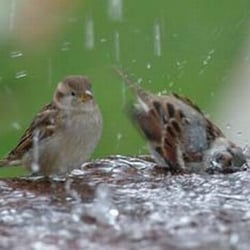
12	14
149	66
16	125
171	84
117	46
228	126
35	165
239	133
66	46
20	74
208	57
139	80
16	54
119	136
89	33
50	71
157	39
115	9
103	40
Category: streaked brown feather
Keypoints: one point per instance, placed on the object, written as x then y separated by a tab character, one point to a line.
44	123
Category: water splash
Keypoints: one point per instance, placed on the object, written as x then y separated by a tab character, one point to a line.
73	194
115	9
104	209
35	160
157	39
89	33
117	46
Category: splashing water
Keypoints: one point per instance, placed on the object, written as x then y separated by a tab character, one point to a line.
89	33
157	39
115	9
71	192
104	209
35	165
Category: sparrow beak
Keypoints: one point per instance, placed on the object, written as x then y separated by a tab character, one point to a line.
86	96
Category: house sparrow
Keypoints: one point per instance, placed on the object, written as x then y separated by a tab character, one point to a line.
65	132
180	136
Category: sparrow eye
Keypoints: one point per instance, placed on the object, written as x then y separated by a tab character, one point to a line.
73	93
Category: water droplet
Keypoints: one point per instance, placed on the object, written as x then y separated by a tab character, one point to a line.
180	64
12	15
149	66
117	46
208	57
50	71
157	39
20	74
16	125
139	80
16	54
119	136
171	84
115	9
35	165
239	133
66	46
89	33
103	40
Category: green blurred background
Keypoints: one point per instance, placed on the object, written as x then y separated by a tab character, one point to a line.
183	46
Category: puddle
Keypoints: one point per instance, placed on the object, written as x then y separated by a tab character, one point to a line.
126	203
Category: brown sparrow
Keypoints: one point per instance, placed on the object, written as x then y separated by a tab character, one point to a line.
65	132
180	135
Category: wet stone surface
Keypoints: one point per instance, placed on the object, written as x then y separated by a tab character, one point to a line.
126	203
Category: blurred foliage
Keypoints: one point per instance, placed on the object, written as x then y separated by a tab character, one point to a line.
199	43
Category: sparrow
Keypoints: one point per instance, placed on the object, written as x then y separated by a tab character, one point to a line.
180	136
63	134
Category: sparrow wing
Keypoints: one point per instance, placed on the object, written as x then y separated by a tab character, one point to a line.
160	123
212	130
44	125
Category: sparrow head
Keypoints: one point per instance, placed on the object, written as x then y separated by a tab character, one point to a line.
73	92
226	157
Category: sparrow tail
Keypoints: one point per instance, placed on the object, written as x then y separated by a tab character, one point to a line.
126	77
5	163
